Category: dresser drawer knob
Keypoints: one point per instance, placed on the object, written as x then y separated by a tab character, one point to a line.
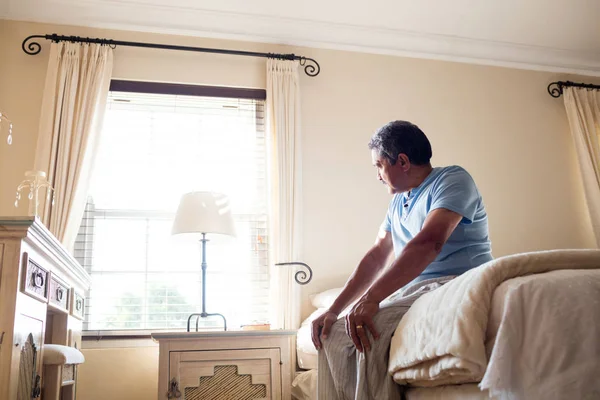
78	304
38	279
59	293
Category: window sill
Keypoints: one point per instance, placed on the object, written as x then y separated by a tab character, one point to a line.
100	339
117	342
112	335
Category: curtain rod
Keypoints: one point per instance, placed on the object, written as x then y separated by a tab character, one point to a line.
555	89
311	69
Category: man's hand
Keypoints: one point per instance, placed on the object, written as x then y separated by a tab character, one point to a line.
360	320
322	325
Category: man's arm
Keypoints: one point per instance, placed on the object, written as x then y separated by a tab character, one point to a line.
371	265
415	257
366	271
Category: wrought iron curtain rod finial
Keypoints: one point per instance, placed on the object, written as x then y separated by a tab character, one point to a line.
301	277
555	89
310	69
32	48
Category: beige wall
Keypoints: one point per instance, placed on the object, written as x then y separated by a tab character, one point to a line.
498	123
121	373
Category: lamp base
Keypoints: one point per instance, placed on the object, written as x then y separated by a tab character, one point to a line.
205	315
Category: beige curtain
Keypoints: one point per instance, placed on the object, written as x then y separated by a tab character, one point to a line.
583	111
75	94
283	124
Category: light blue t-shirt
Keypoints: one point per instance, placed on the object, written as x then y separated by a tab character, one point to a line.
451	188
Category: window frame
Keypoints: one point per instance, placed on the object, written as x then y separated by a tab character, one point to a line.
119	85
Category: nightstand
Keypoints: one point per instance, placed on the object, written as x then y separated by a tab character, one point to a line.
226	365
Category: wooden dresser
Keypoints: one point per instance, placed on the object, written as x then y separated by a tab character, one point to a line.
226	365
42	295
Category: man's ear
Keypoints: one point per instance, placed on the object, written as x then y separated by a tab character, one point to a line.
403	161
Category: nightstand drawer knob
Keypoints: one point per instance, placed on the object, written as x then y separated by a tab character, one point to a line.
174	390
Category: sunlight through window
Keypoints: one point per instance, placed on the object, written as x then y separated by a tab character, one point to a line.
154	148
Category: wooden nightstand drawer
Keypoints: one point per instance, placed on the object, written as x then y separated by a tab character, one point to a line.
227	374
77	305
35	282
59	294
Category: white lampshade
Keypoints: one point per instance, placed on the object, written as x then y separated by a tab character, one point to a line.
203	212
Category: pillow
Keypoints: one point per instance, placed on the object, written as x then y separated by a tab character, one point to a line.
313	316
325	299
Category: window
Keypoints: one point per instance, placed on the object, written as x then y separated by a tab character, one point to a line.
154	148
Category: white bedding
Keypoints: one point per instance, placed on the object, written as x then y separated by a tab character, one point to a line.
442	338
305	383
305	349
450	392
304	386
469	391
544	342
565	304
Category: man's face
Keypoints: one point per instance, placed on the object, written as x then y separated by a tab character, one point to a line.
390	175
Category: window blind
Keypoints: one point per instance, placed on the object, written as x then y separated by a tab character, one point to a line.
153	149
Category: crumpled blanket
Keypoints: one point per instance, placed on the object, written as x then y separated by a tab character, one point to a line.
441	339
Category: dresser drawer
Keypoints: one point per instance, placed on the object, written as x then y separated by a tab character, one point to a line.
77	305
35	279
59	294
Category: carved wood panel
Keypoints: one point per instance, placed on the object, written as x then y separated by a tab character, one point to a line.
27	342
226	384
226	374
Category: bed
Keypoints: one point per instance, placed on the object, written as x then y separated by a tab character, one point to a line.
541	338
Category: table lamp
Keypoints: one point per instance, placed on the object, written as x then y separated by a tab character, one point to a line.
199	214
